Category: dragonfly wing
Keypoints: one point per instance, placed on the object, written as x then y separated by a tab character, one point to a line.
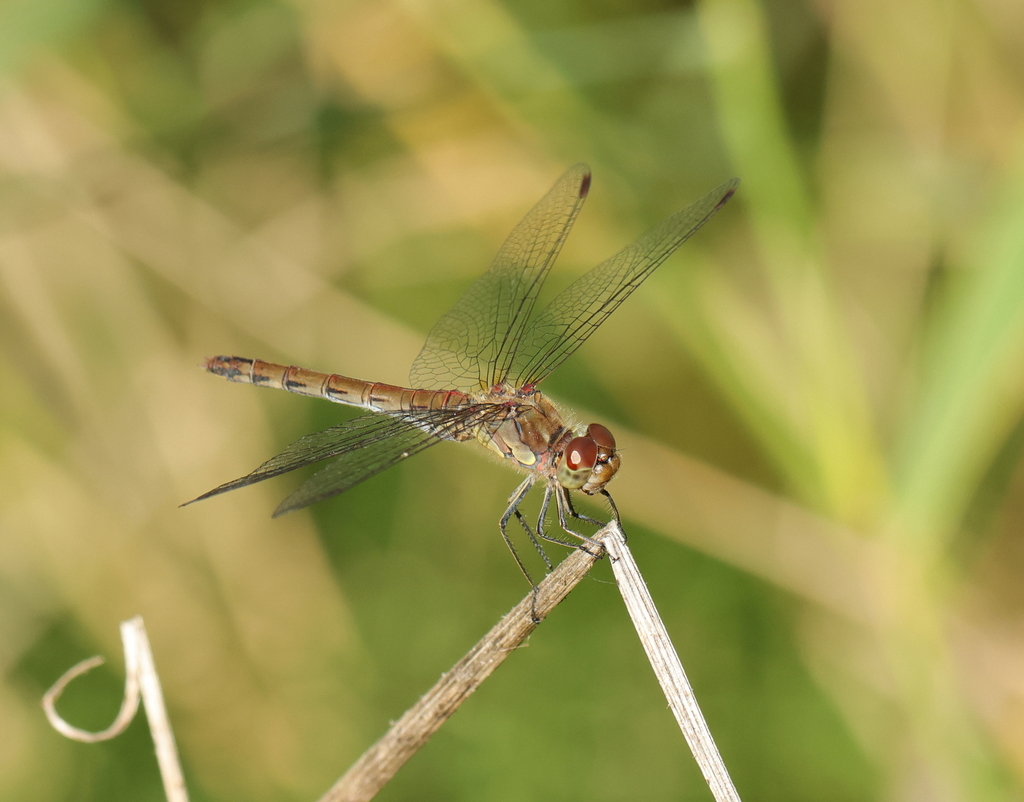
472	347
575	313
406	437
364	446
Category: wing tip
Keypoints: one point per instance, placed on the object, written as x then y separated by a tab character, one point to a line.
585	184
208	494
193	501
730	188
582	173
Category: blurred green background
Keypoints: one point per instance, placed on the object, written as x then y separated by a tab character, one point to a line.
819	399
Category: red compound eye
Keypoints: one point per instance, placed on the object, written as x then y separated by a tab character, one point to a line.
581	453
600	435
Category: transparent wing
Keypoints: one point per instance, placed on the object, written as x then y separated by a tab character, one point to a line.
364	446
575	313
472	347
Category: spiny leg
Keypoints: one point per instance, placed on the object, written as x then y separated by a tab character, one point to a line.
615	512
579	516
564	503
543	517
536	542
533	539
529	531
513	509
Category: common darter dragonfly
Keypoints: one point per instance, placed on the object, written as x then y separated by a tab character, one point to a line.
478	373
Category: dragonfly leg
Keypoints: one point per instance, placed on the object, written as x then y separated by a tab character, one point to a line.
579	516
615	512
513	509
533	538
548	491
563	503
514	500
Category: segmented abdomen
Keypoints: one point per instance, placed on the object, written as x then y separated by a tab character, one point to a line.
340	389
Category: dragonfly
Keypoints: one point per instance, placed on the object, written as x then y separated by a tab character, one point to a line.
477	376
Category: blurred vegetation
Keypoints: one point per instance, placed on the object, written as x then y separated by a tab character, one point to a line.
819	399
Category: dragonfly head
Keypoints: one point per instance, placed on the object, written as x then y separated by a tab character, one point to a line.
589	461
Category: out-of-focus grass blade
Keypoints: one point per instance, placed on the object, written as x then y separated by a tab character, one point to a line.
818	428
26	25
971	393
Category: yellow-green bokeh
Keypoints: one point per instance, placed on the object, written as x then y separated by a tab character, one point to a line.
819	398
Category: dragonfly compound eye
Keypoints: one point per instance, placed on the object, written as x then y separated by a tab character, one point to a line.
604	439
577	462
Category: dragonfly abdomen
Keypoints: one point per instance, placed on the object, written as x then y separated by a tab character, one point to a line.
374	396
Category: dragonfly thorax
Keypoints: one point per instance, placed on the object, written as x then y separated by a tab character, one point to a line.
534	437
